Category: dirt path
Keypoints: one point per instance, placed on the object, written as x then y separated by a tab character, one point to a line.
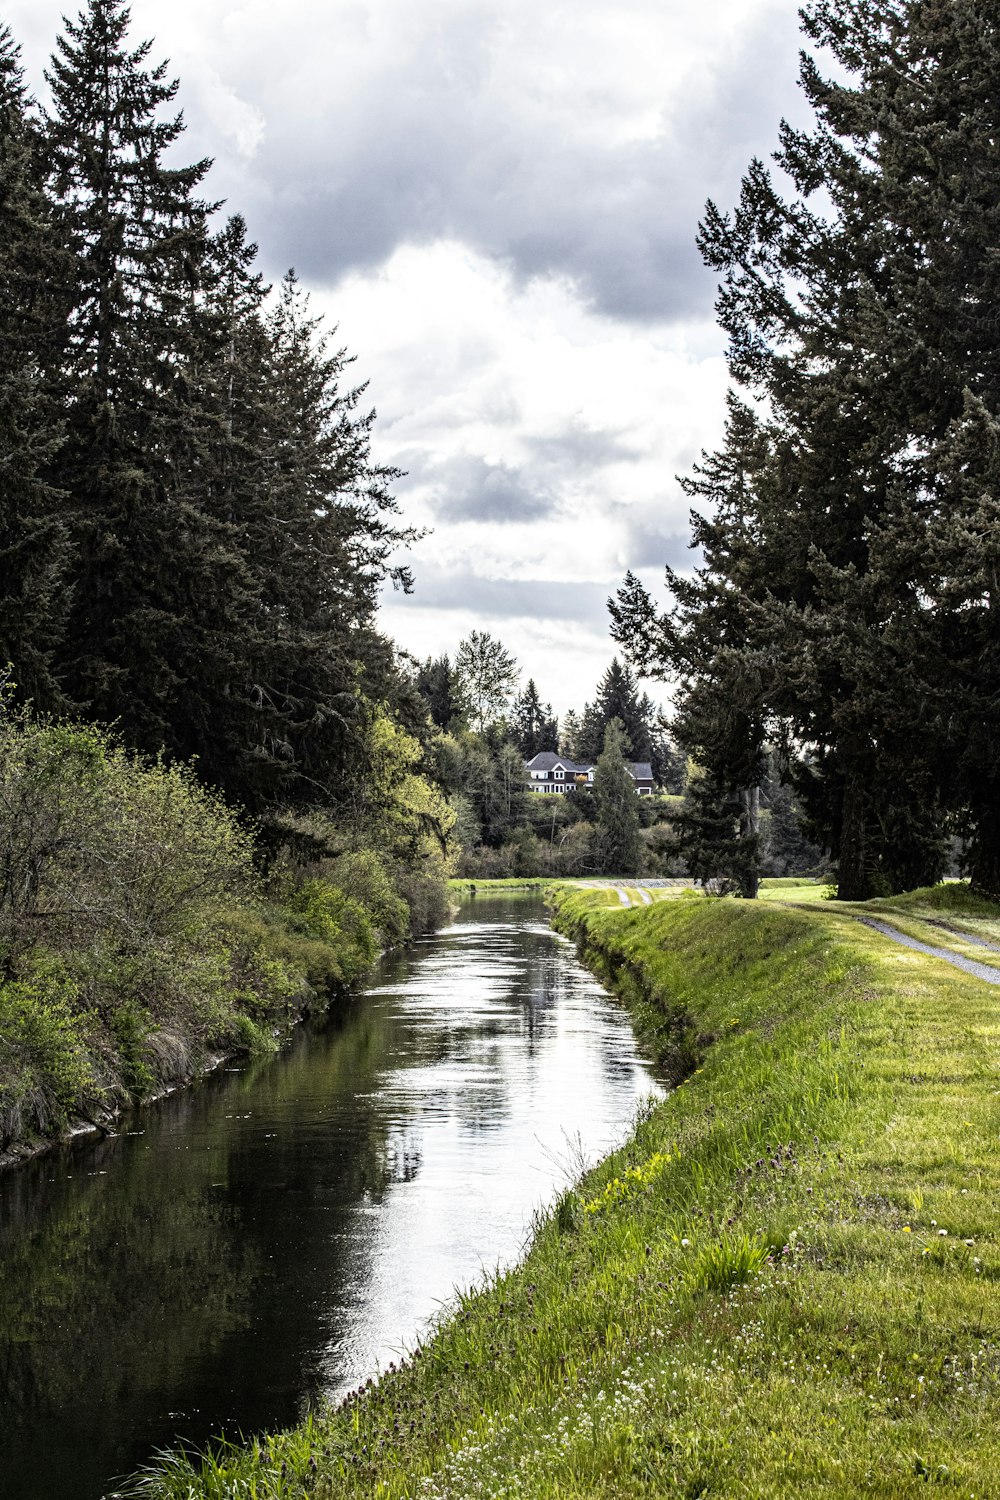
986	972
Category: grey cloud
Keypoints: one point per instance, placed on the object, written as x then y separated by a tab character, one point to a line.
428	145
428	152
467	488
511	598
582	448
650	547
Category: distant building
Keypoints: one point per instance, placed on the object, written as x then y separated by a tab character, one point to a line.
553	773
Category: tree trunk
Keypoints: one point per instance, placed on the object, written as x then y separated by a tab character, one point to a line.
750	829
851	882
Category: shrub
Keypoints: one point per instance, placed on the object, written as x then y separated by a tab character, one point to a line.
45	1070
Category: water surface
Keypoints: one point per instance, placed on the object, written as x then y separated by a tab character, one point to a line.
279	1233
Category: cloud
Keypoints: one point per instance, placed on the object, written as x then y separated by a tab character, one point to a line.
556	143
577	141
512	598
468	488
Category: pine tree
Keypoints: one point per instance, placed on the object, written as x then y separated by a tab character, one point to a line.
618	847
137	235
436	685
618	697
799	623
34	545
533	723
569	735
305	528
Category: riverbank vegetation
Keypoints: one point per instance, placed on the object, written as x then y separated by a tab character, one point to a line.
786	1281
140	935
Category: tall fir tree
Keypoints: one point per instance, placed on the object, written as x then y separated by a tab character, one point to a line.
35	549
137	234
816	576
533	723
617	842
617	697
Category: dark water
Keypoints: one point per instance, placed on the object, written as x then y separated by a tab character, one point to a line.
279	1233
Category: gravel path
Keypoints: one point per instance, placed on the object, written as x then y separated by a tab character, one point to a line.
969	965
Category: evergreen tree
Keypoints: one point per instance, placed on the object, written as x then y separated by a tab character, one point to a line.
436	685
137	235
569	735
533	723
815	576
618	846
34	545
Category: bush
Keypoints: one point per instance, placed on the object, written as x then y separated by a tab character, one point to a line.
45	1070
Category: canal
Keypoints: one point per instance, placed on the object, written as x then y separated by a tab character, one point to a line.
281	1231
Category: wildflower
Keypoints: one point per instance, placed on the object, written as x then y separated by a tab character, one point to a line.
942	1232
907	1229
685	1244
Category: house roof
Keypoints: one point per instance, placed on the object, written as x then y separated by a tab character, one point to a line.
547	760
641	770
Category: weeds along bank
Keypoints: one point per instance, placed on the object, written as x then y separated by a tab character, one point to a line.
786	1282
139	939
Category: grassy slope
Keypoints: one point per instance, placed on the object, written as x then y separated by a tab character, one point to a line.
786	1283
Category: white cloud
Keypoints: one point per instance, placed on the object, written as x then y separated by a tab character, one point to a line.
489	393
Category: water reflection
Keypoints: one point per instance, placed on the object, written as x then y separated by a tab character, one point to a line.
278	1233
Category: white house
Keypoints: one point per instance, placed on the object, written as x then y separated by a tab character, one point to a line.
554	773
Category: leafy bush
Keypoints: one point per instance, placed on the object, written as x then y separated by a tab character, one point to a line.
45	1070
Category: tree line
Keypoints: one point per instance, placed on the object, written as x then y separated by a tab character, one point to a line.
487	725
193	530
842	619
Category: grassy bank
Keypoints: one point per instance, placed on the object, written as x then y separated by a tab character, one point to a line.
786	1283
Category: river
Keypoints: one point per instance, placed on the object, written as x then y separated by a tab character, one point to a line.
281	1231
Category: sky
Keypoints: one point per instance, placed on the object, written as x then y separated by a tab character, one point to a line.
495	203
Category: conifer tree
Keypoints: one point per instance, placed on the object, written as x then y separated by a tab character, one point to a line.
618	847
34	545
436	685
814	581
137	235
533	723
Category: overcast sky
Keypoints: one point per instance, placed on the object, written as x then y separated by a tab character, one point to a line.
497	201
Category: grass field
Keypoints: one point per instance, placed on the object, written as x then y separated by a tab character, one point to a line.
786	1284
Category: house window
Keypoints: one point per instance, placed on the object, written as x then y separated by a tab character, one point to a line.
560	775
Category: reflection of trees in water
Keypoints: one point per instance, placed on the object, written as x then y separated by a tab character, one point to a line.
194	1263
105	1300
207	1270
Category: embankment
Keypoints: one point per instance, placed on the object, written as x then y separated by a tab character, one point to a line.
786	1283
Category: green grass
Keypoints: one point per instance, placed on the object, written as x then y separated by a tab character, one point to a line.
787	1283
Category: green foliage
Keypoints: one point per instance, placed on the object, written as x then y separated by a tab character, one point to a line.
322	912
618	847
135	937
45	1072
727	1262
